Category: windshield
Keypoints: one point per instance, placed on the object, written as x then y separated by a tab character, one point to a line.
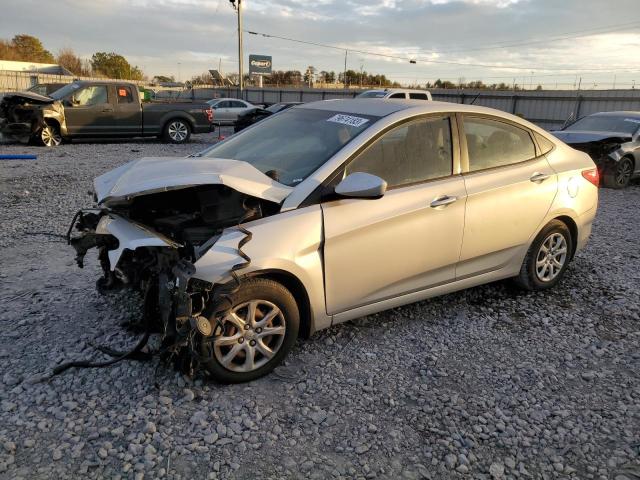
372	94
606	123
64	91
290	146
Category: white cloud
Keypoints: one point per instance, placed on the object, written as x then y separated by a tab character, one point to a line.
157	34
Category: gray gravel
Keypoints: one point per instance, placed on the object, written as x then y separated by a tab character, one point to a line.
485	383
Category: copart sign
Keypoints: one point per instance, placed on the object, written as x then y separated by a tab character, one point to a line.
259	65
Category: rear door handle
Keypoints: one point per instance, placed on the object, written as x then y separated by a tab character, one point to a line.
443	201
108	109
538	177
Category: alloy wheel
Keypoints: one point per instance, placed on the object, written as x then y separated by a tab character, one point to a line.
623	172
253	332
551	257
178	131
50	136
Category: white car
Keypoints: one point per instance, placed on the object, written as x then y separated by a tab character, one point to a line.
227	110
397	93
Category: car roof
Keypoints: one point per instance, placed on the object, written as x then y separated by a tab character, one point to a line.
382	107
620	113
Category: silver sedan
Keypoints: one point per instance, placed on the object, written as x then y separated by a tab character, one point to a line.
227	110
334	210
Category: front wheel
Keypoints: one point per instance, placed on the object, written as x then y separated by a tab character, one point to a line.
547	258
177	131
257	333
619	175
48	136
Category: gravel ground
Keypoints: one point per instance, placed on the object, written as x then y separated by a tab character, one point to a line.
485	383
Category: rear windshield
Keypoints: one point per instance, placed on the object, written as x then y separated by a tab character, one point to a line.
276	107
606	123
374	94
290	146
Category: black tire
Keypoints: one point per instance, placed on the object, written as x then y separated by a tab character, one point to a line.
177	130
267	291
529	277
48	135
619	174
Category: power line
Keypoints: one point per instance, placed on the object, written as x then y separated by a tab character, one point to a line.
423	60
562	36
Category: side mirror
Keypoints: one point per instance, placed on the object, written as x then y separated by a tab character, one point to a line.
361	185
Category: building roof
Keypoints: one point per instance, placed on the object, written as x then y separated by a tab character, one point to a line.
32	67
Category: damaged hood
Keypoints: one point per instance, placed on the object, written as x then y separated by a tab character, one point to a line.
29	96
577	136
158	174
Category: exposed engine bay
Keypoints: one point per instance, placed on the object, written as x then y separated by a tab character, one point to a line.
149	241
602	151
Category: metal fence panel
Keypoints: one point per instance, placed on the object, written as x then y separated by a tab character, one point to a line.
549	109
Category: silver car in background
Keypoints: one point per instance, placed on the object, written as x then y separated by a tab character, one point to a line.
227	110
334	210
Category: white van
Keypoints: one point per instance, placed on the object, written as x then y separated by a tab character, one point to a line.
396	93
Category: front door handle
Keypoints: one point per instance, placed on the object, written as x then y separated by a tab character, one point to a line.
107	109
443	201
538	177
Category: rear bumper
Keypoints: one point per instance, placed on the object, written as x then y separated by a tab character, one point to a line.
585	223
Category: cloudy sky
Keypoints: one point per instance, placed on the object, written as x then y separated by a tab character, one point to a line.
547	42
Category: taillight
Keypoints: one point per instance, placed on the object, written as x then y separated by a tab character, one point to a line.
592	175
209	113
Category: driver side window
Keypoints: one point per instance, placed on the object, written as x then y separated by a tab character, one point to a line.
414	152
88	96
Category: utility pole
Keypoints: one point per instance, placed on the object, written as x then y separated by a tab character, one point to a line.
345	69
237	4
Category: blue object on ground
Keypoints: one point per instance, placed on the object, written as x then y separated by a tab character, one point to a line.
18	157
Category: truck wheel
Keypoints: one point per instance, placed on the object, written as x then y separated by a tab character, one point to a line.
48	136
177	131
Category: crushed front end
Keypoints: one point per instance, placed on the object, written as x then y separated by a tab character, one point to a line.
149	237
23	115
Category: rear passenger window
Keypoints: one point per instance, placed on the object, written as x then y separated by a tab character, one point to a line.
397	95
124	94
494	144
418	96
412	153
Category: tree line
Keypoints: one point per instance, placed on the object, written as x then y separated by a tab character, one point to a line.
27	48
475	85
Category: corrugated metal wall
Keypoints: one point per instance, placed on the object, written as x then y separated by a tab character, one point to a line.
549	109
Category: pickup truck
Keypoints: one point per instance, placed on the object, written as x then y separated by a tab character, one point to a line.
92	109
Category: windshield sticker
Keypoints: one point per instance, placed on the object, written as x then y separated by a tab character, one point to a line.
348	120
632	120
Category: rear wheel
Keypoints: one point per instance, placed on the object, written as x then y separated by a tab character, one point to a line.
257	334
48	135
547	258
177	131
619	175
